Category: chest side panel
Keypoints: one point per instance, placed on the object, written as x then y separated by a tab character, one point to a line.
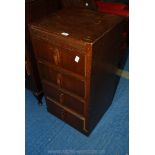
103	79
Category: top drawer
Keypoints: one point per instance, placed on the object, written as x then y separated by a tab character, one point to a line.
64	58
45	52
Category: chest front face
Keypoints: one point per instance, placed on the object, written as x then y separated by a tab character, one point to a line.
63	70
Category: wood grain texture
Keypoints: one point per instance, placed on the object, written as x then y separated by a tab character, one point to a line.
79	92
35	10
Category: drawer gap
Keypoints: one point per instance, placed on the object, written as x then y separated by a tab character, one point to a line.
67	109
62	70
64	91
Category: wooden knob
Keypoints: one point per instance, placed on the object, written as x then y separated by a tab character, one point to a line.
59	79
61	98
56	56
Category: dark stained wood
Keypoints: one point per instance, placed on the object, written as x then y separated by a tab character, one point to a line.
65	114
77	70
63	80
55	55
64	99
103	80
35	10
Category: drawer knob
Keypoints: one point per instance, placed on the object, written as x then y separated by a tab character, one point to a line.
59	80
56	56
61	97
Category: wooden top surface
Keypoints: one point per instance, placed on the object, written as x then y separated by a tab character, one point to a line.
80	24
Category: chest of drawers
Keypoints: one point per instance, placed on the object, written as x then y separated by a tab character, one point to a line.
77	52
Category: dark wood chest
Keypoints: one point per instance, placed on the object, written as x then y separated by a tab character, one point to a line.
77	53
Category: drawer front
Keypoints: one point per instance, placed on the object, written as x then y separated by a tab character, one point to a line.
72	61
65	115
67	59
48	74
52	107
64	99
52	92
62	80
73	85
44	51
72	103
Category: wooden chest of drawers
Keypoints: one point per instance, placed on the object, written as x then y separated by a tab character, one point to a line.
77	52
